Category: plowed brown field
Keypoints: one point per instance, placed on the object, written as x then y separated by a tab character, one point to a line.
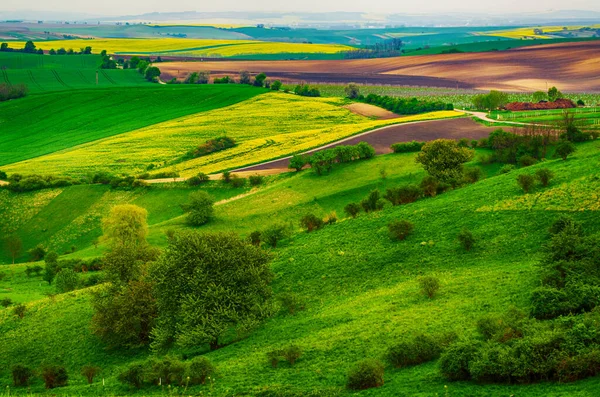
570	66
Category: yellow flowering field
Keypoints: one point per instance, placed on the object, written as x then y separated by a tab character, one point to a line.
265	127
528	32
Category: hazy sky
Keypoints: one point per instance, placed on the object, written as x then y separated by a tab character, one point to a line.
122	7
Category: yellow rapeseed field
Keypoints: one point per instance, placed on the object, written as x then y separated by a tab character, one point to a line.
519	33
191	46
266	127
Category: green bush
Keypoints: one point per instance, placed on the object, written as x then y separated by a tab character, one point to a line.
407	147
352	209
275	233
291	354
54	376
564	149
6	302
133	375
366	374
454	362
66	280
372	202
429	286
463	142
19	310
226	176
37	253
298	162
311	222
526	182
212	146
526	161
199	208
330	218
507	168
256	180
544	175
399	230
274	356
237	182
403	194
429	186
255	238
466	239
21	375
90	372
565	223
417	350
473	174
199	370
165	371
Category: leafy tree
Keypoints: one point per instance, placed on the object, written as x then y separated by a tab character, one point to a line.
207	285
245	77
429	185
66	280
275	233
372	202
544	175
526	182
89	372
142	66
14	245
539	96
51	267
203	77
276	85
199	208
29	47
554	94
491	101
87	50
21	375
466	239
54	376
4	47
37	253
365	375
399	230
352	91
103	53
126	227
311	222
443	159
199	370
429	286
20	310
352	209
259	80
133	375
133	62
564	149
3	176
298	162
152	73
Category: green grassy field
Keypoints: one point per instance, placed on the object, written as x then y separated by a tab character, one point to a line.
57	121
586	117
360	288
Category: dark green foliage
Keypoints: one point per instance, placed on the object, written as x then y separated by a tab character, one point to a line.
406	105
259	80
429	186
28	183
526	182
466	239
90	372
407	147
564	149
3	175
352	209
165	371
19	310
54	376
51	267
224	80
212	146
208	285
255	238
66	280
366	374
526	161
322	161
352	91
463	142
152	73
199	208
311	222
509	147
291	302
133	375
237	182
199	370
21	375
403	194
429	286
331	218
507	168
492	101
306	90
443	159
544	175
473	174
291	354
454	362
580	102
399	230
9	91
256	180
417	350
5	302
194	181
298	162
276	85
275	233
372	202
565	223
245	77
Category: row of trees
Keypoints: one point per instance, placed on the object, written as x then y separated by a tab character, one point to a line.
497	100
29	48
384	49
61	51
324	160
402	105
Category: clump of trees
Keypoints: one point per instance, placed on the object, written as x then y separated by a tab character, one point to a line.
306	90
169	371
407	147
492	101
324	160
211	146
12	91
199	209
404	105
443	159
29	48
383	49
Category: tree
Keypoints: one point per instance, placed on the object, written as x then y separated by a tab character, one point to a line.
554	94
276	85
352	91
152	73
203	77
4	47
298	162
66	280
564	149
207	285
14	245
51	267
87	50
259	80
103	53
89	372
526	182
539	96
126	227
443	159
29	47
133	62
491	101
352	209
199	208
244	77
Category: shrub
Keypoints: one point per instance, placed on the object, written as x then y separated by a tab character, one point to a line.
6	302
564	149
352	209
311	222
407	147
565	223
429	286
454	362
274	233
256	180
403	195
194	181
54	376
420	349
165	371
274	356
466	239
365	375
133	375
291	302
237	182
66	280
474	143
255	238
200	369
291	353
19	310
544	175
526	161
276	85
399	230
526	182
331	218
21	375
37	253
429	186
298	162
444	159
463	142
200	208
226	176
507	168
372	202
89	372
473	174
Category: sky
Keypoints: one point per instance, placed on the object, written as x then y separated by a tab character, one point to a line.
135	7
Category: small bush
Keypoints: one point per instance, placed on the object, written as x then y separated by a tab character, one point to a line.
298	162
255	238
403	195
226	176
407	147
274	233
167	370
6	302
194	181
21	375
133	376
237	182
54	376
199	209
429	185
365	375
544	175
212	146
90	372
564	222
199	370
274	357
526	182
526	161
66	280
399	230
19	310
564	149
352	209
429	286
256	180
372	202
466	239
311	222
37	253
464	142
473	174
474	143
420	349
291	302
291	354
330	218
454	362
507	168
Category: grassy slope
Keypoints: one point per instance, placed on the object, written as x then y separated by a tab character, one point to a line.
360	287
45	123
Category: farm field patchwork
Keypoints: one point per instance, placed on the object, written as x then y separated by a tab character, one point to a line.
265	127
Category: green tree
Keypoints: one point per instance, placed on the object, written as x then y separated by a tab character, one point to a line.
443	159
207	285
564	149
245	77
539	96
152	73
352	91
29	47
298	162
66	280
51	267
276	85
126	227
259	80
14	245
199	208
554	94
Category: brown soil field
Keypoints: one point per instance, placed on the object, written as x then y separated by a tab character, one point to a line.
569	66
367	110
383	138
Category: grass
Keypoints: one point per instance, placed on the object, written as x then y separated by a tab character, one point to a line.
588	117
41	124
265	127
360	288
